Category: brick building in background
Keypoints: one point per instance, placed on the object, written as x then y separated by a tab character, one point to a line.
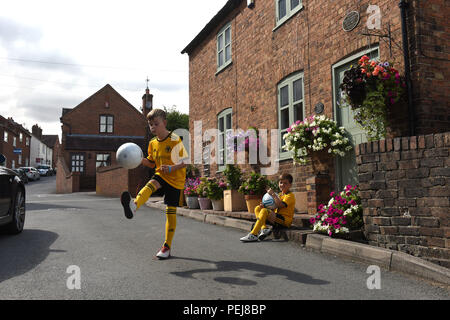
269	63
15	143
52	142
94	130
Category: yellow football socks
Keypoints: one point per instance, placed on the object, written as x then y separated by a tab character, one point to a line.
171	224
261	216
144	194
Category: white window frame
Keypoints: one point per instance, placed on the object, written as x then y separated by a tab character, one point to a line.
289	82
223	137
108	123
105	158
289	12
78	162
5	136
14	141
222	50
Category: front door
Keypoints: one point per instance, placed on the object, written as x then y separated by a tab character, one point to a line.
346	168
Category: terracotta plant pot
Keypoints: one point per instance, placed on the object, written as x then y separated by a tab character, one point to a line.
252	201
192	202
205	203
217	205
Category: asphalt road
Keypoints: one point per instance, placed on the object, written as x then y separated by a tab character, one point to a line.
84	241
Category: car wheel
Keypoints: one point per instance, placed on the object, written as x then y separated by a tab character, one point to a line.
18	221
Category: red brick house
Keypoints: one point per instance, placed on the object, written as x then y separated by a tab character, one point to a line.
94	130
15	143
269	63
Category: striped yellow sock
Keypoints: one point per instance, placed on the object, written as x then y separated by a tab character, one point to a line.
144	194
171	224
260	222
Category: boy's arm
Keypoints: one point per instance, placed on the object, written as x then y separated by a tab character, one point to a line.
278	202
148	163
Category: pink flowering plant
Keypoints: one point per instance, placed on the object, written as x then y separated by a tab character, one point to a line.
372	89
190	187
316	133
342	213
242	140
214	188
254	184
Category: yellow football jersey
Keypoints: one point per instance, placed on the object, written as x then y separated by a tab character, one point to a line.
287	212
169	151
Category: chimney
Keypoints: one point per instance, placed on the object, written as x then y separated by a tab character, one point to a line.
37	132
147	102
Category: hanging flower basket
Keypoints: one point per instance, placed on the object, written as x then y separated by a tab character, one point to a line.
373	90
314	134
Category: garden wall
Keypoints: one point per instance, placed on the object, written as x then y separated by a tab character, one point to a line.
405	190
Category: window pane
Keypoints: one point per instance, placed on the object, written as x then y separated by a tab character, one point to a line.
102	120
227	36
220	58
110	128
110	120
298	90
281	8
284	118
298	111
294	3
227	53
229	121
284	96
283	142
220	42
102	128
221	122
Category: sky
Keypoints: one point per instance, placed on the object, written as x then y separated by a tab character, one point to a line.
54	54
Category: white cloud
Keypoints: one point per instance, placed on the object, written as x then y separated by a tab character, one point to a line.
55	54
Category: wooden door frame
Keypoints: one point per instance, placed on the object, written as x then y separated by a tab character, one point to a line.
335	107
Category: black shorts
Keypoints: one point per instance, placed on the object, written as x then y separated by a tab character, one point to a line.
173	197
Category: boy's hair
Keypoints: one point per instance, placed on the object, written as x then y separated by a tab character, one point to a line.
286	176
156	113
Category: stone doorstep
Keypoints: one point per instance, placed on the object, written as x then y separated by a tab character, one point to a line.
384	258
239	219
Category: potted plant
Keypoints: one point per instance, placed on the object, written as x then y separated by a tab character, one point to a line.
202	191
214	189
342	214
233	200
316	137
253	189
190	191
373	90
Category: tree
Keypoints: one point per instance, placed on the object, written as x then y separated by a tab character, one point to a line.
176	119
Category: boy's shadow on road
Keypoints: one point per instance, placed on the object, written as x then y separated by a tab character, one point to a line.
262	271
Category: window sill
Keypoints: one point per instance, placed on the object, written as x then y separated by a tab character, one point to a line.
222	68
287	18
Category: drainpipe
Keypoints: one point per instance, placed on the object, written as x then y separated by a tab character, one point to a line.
403	5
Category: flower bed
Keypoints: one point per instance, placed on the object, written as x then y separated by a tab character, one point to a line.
342	214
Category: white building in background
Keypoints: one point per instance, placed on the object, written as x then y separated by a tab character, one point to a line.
40	153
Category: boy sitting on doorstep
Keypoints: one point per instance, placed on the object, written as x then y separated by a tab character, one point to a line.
283	215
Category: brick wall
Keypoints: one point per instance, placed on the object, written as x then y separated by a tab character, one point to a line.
310	42
405	190
66	181
113	180
430	64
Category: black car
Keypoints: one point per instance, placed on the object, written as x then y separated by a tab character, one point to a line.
22	174
12	201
